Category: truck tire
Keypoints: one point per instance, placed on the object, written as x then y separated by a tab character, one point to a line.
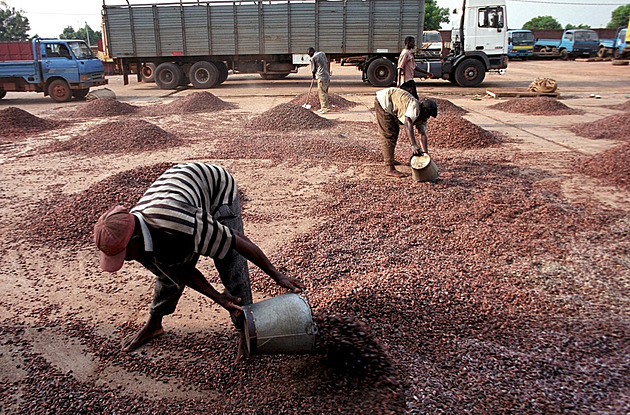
3	93
381	72
148	72
601	52
59	91
616	54
80	93
168	75
204	74
564	54
273	76
223	72
470	72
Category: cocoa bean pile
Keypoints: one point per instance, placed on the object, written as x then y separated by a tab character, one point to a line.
17	123
335	101
535	106
105	107
625	106
613	127
445	107
68	220
193	103
348	347
613	166
288	117
125	136
453	131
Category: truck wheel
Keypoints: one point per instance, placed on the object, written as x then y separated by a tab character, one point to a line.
470	72
617	54
272	76
564	55
223	72
204	74
601	52
168	75
59	90
3	93
148	72
80	93
381	72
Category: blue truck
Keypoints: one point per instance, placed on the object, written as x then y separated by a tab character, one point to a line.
60	68
574	43
613	47
520	44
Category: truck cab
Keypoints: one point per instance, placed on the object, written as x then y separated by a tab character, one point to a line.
520	43
614	46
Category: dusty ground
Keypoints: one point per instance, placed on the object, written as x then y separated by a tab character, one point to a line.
63	319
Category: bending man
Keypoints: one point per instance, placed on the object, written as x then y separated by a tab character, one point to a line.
192	209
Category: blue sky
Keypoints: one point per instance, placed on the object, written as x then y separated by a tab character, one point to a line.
48	18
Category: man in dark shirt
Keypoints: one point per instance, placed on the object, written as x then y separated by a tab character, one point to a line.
192	209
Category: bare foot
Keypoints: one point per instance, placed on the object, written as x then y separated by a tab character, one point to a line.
143	336
396	173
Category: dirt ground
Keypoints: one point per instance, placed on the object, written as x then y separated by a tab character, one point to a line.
545	331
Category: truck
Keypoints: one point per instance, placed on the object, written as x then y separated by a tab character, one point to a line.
613	47
60	68
573	43
202	42
626	50
520	44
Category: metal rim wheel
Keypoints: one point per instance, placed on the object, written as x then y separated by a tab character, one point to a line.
168	75
381	72
59	90
204	74
148	72
470	72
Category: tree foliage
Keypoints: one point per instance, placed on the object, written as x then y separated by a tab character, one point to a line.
579	26
82	33
13	24
619	17
434	16
542	23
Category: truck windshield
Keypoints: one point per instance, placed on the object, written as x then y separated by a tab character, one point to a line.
431	37
522	38
586	35
81	50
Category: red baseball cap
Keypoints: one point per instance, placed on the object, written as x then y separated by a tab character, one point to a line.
112	233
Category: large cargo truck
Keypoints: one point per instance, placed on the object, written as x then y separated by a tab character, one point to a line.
613	47
573	43
521	43
201	42
60	68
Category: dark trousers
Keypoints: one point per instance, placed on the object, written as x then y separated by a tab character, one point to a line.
410	86
233	270
388	129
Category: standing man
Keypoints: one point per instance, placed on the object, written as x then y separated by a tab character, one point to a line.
406	67
192	209
319	68
393	107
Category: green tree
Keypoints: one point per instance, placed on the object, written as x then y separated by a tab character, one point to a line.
82	33
13	24
434	16
620	17
580	26
542	23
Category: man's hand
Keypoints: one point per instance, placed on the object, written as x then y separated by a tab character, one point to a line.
290	283
417	150
228	301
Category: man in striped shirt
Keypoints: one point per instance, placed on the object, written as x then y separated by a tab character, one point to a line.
192	209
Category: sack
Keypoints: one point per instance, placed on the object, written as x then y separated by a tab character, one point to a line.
100	93
543	85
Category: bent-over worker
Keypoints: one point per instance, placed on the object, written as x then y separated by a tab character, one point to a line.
192	209
393	107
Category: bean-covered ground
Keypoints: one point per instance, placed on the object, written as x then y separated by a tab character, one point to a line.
489	291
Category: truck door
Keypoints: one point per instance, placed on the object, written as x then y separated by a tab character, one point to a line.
57	60
489	31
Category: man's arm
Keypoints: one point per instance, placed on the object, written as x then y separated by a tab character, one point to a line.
417	150
199	283
254	254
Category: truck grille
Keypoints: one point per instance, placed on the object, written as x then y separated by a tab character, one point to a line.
95	76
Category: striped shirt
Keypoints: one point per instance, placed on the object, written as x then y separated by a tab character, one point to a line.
186	199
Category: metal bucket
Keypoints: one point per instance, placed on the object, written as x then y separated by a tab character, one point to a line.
423	169
279	325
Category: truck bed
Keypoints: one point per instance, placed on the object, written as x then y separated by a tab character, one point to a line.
18	69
